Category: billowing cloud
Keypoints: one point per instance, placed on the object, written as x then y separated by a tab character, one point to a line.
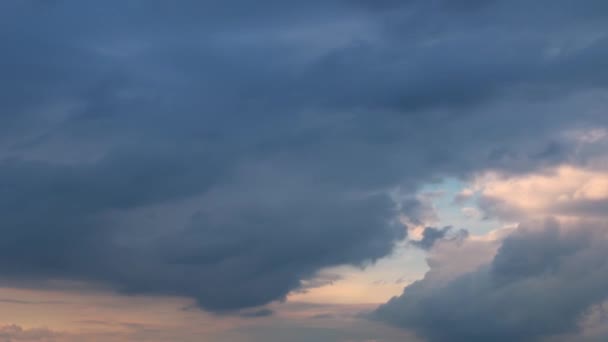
564	192
541	283
228	152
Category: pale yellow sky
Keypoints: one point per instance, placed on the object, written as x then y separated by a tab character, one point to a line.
109	317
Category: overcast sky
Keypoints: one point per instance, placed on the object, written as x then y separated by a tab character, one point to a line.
337	170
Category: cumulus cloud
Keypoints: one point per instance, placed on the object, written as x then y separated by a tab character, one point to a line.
228	152
541	283
564	192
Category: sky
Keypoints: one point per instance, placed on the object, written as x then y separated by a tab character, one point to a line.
337	170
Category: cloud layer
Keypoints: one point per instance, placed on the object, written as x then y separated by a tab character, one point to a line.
227	152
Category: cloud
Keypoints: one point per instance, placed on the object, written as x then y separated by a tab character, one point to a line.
431	235
265	312
541	283
319	329
463	196
229	153
565	192
14	333
29	302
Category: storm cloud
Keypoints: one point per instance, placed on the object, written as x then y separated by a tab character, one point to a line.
228	151
541	283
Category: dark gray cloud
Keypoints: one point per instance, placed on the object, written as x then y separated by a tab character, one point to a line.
589	208
228	152
541	283
430	235
257	313
417	210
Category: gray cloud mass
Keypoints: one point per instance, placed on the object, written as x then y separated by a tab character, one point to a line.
542	283
273	131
